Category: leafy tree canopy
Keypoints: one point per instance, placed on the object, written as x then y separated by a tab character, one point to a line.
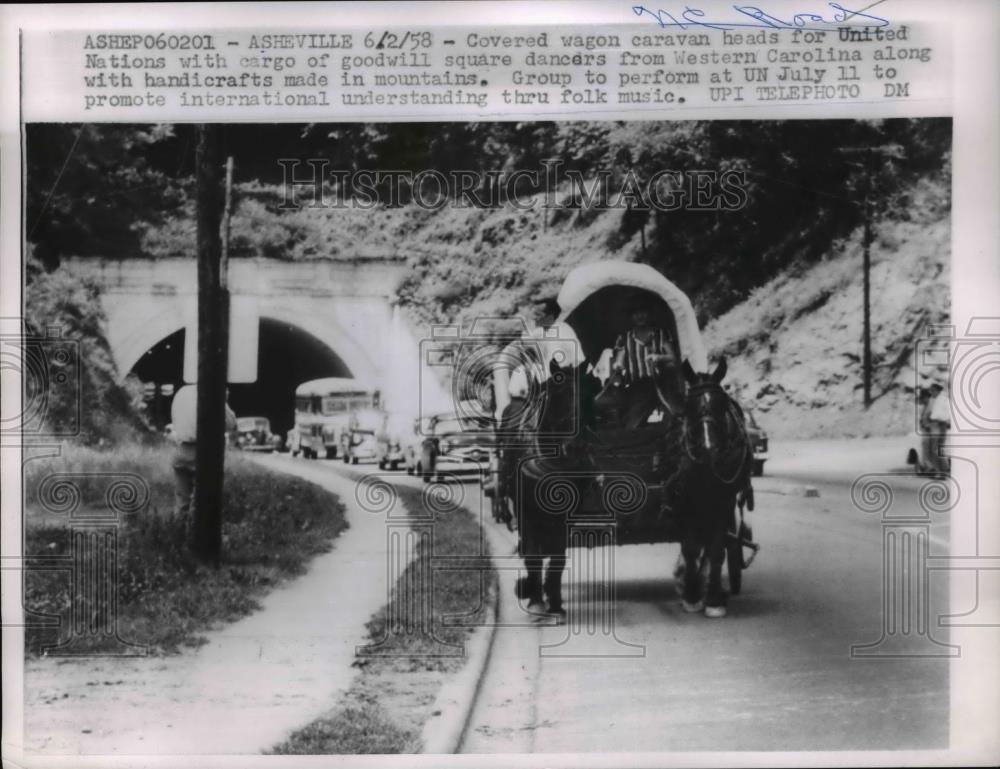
125	191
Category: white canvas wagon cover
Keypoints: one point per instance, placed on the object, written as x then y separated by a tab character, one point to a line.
595	301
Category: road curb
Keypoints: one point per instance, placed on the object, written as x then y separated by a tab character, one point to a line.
444	732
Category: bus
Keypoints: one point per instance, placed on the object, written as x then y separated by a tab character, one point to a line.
323	409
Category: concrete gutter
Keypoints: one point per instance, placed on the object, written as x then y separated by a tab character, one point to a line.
444	732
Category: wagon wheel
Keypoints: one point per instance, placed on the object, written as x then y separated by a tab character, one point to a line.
734	563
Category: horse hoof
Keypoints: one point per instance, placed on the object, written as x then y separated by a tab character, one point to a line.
691	608
715	611
536	607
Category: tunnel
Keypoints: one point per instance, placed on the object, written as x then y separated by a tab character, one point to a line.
287	356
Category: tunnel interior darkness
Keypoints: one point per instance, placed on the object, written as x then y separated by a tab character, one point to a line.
287	356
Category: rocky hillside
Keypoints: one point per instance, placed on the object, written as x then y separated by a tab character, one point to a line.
794	347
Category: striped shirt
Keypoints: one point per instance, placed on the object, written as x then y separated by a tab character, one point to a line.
632	355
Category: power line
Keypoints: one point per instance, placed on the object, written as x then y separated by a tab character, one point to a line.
59	176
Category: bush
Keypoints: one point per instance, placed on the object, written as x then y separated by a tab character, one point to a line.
96	407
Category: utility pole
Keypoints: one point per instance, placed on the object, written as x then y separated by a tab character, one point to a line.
866	361
869	166
625	157
213	314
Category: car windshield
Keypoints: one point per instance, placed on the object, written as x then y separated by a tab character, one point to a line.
245	424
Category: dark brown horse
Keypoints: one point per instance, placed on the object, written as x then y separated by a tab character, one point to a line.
718	461
543	466
705	453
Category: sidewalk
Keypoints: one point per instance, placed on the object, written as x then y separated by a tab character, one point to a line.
838	460
244	691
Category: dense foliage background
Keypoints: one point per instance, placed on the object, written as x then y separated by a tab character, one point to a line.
83	397
120	191
775	284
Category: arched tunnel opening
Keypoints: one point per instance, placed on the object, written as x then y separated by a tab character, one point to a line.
287	356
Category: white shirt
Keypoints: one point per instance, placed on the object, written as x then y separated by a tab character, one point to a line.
559	343
184	415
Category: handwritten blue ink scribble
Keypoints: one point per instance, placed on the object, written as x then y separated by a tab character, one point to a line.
756	18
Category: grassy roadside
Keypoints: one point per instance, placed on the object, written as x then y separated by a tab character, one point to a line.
272	525
393	695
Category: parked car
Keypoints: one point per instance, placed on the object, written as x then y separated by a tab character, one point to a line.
413	445
254	434
389	441
929	460
758	440
932	433
359	437
456	445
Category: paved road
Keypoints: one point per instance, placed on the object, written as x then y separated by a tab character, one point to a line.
776	674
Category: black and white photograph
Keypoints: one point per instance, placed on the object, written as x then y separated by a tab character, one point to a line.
499	384
534	437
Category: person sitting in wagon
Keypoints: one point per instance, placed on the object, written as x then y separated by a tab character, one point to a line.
644	366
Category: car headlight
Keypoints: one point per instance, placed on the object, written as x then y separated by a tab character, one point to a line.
444	446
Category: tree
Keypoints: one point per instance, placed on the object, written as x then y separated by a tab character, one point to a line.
90	188
89	402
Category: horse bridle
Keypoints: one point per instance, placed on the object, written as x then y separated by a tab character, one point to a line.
702	391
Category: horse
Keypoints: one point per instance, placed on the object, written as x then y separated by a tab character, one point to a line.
550	430
719	460
712	469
